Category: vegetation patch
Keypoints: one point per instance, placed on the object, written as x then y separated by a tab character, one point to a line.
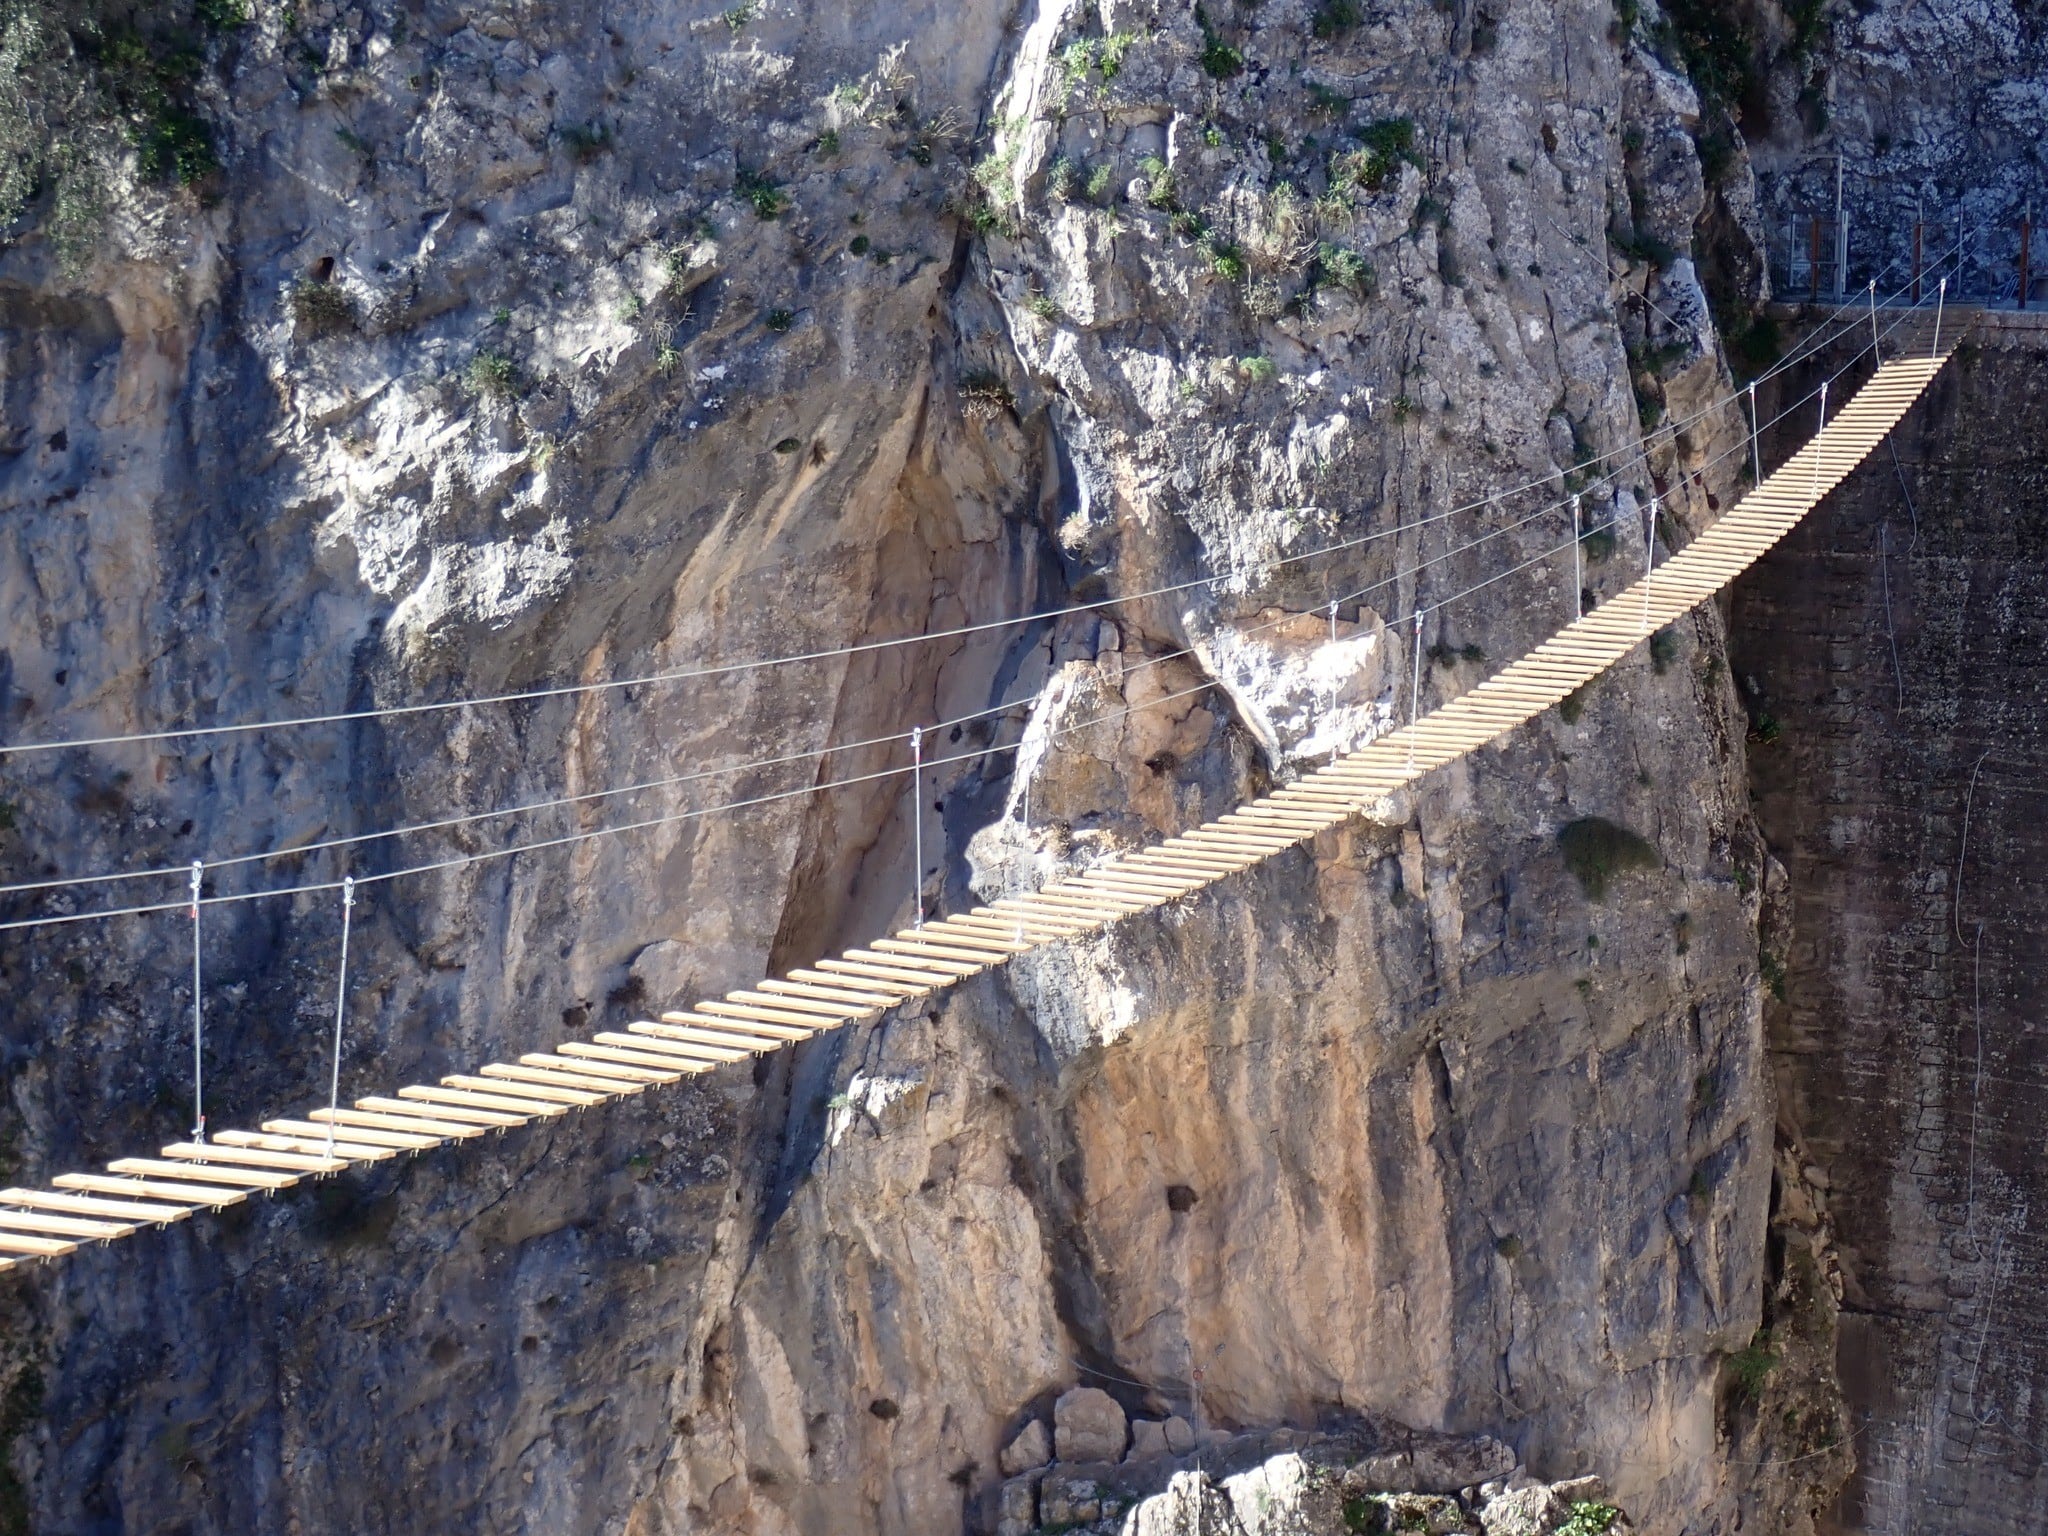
1750	1367
984	396
1384	146
492	375
1589	1519
1597	851
764	196
322	309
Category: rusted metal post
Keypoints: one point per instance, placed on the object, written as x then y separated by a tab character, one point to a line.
1813	258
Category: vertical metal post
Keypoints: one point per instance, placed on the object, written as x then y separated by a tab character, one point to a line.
1814	488
1649	557
1415	689
1333	682
1940	298
917	821
1873	322
1756	451
1791	250
198	1042
1578	564
1813	259
348	901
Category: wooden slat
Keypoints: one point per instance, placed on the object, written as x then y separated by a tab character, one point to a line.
213	1197
596	1067
40	1247
136	1211
894	991
519	1090
744	1019
401	1124
216	1153
352	1135
244	1179
450	1106
929	960
64	1226
660	1068
831	1012
700	1040
260	1141
439	1094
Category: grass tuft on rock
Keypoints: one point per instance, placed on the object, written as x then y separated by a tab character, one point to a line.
1596	851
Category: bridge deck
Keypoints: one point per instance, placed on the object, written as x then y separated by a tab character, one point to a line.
189	1176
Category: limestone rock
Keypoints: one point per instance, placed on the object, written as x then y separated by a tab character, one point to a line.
1088	1425
1030	1447
1180	1435
1017	1506
1285	1496
1148	1438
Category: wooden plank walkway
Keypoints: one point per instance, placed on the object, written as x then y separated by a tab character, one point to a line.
862	983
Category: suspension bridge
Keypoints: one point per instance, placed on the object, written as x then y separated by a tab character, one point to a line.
199	1175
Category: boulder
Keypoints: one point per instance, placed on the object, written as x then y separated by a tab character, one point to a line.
1017	1506
1446	1463
1148	1438
1180	1435
1070	1497
1088	1425
1285	1496
1030	1447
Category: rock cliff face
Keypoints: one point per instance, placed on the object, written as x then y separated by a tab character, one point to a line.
1893	649
535	343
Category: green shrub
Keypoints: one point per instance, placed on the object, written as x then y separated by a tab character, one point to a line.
1573	704
1772	970
1219	60
1589	1519
1346	269
1663	649
740	15
1260	370
1596	851
1097	185
1597	544
1385	145
767	199
1334	17
1043	305
1227	262
779	320
1750	1367
493	376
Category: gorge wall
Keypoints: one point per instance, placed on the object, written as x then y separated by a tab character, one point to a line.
547	342
1893	648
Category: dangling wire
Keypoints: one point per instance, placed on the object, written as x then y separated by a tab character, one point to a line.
1875	356
348	901
198	1036
1940	299
917	820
